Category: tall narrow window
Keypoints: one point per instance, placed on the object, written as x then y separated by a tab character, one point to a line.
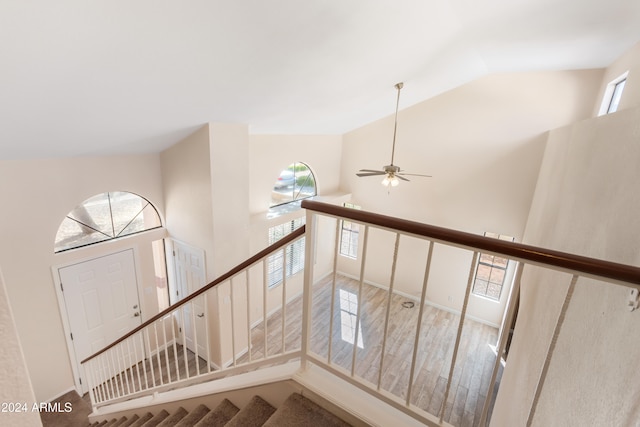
293	254
349	234
491	272
103	217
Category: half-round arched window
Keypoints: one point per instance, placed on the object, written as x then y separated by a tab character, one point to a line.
296	182
104	217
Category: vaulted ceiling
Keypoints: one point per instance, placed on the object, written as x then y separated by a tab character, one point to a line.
99	77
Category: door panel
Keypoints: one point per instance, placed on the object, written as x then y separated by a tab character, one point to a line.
190	276
101	298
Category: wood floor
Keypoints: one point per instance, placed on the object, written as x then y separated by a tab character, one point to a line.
474	363
471	377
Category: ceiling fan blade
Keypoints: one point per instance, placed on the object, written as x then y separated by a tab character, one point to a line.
372	173
401	177
414	174
372	170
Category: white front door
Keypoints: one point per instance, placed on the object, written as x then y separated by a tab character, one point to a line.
101	300
189	277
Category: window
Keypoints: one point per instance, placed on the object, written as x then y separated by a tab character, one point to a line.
349	236
105	217
294	253
296	182
612	95
491	272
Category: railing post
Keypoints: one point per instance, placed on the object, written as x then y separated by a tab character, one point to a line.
334	277
309	256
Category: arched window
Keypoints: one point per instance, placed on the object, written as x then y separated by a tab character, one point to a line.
104	217
296	182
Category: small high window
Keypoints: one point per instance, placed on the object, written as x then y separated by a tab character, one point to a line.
296	182
612	95
105	217
491	272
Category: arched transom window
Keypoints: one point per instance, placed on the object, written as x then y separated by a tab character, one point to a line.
296	182
104	217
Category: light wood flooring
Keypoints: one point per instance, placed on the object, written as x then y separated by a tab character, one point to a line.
435	348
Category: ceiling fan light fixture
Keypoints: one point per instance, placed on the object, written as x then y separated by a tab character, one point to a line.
390	180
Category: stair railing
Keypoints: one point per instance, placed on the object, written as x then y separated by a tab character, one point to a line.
154	357
358	370
164	353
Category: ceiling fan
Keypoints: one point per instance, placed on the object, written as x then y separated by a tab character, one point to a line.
392	173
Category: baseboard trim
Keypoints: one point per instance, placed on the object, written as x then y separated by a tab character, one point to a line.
417	299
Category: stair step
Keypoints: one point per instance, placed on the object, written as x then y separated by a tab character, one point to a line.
254	414
173	419
116	422
157	419
193	417
220	416
130	421
143	419
297	410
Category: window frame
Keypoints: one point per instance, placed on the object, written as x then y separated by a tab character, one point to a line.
295	197
89	222
351	230
612	93
491	265
294	253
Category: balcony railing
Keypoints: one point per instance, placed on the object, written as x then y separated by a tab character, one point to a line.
300	321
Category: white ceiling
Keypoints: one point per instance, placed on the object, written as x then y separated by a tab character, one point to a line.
94	77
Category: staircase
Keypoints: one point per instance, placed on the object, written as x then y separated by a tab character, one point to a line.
297	410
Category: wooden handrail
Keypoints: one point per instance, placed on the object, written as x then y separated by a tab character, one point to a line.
237	269
620	273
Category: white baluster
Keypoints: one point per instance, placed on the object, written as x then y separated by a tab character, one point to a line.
388	313
459	334
356	334
416	343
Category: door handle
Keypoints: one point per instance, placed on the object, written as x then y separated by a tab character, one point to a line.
200	315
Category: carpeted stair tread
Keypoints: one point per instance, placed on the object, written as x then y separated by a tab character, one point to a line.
157	419
130	421
297	410
254	414
118	422
141	420
220	416
193	417
173	419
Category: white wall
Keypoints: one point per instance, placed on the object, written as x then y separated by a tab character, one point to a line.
586	202
483	144
16	386
186	183
36	195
